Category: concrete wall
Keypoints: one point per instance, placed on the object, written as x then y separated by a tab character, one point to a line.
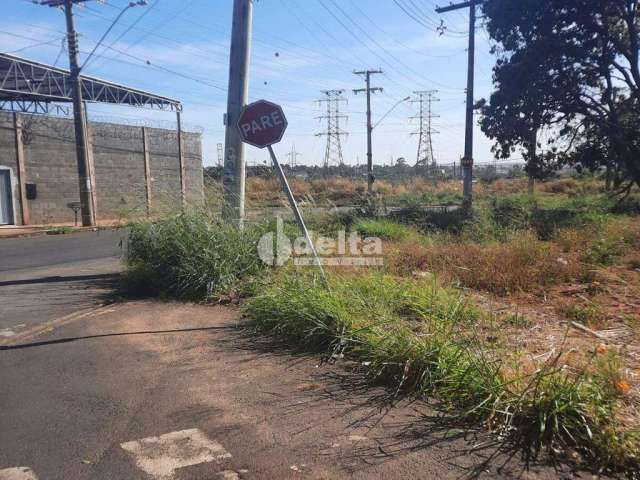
118	163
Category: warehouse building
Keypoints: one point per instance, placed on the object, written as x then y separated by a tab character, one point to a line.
134	171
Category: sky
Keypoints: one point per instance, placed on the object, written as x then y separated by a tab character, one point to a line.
180	49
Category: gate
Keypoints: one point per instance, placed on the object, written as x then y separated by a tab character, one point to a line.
6	198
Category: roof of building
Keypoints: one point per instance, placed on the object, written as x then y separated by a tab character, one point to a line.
26	83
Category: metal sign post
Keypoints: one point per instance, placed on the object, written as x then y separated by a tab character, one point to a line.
263	124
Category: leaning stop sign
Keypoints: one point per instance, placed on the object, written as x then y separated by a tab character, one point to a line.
262	124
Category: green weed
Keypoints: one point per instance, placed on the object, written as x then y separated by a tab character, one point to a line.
382	228
418	337
189	256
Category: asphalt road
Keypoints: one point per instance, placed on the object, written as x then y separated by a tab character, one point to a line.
53	250
51	276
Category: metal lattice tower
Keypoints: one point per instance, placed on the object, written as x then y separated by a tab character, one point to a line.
333	152
293	156
425	158
220	155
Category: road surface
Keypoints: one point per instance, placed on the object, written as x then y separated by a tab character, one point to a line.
144	390
50	276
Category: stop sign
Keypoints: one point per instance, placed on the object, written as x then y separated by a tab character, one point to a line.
262	124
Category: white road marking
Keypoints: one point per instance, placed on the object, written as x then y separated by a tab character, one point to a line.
161	456
8	332
19	473
228	475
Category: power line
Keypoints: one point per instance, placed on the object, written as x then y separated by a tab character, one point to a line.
379	45
133	25
395	40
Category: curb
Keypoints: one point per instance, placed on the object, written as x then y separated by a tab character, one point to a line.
43	232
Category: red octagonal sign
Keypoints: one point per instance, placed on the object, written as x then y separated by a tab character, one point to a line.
262	124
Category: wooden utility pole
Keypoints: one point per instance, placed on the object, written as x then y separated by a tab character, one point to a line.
369	90
79	120
233	181
467	160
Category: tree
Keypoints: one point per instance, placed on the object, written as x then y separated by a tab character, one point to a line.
572	69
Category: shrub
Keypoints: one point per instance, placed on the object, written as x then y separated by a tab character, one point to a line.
612	241
513	212
546	216
430	220
567	186
628	206
586	313
189	256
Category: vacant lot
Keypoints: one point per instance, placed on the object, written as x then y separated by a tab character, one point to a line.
522	316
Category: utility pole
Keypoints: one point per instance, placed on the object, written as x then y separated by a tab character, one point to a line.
87	207
532	153
367	74
333	151
79	118
425	159
467	159
293	156
233	180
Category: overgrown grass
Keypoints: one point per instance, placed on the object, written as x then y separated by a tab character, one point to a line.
189	256
382	228
418	337
521	263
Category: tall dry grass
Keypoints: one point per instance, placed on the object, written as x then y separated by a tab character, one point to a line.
522	264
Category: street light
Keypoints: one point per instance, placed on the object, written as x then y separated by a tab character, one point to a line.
406	99
140	3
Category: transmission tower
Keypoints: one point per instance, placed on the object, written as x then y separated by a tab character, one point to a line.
293	156
220	155
425	159
333	152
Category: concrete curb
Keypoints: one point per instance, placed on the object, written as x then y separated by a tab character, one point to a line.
45	231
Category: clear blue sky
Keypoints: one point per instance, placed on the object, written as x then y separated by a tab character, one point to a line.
300	47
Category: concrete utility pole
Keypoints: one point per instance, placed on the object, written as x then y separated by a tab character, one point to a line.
87	208
467	160
233	180
79	120
369	90
533	150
